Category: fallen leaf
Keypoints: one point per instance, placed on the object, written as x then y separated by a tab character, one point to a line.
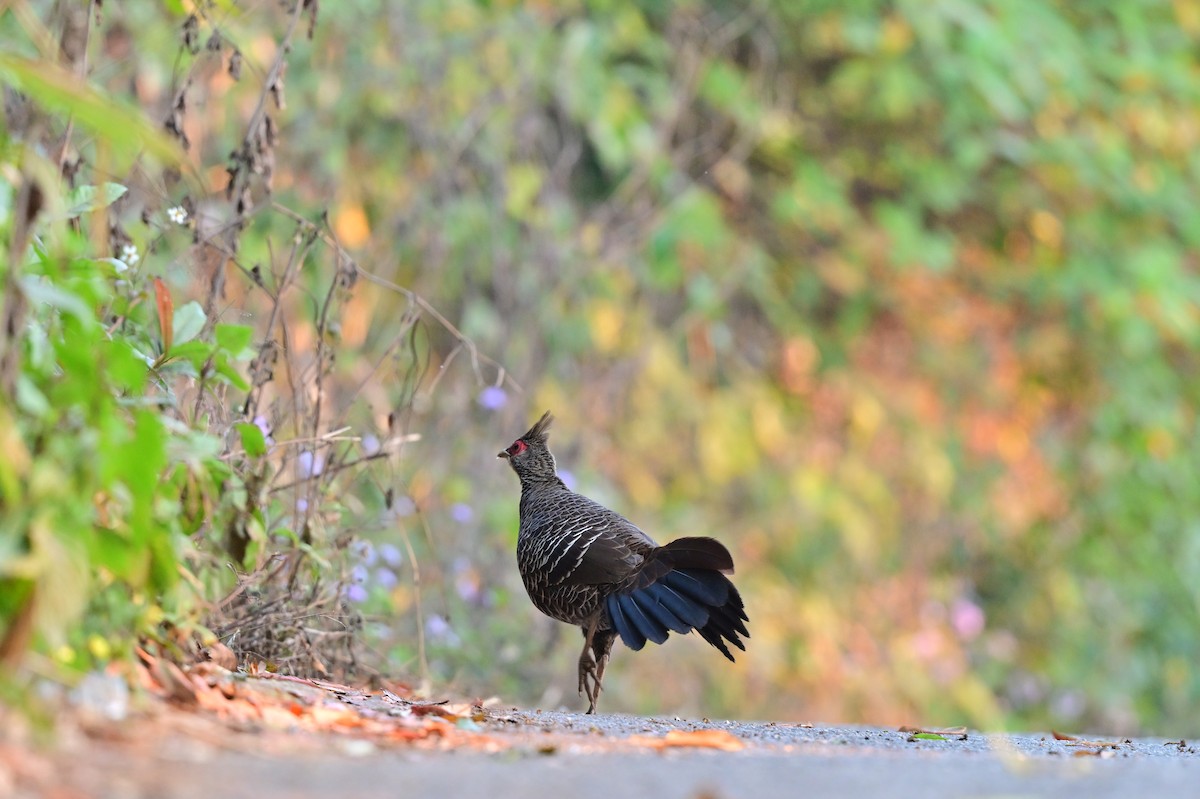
328	717
177	685
277	718
941	733
221	655
431	709
704	739
1101	753
1062	736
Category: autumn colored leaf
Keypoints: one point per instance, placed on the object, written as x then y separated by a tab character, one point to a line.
166	314
1101	753
221	655
703	739
351	226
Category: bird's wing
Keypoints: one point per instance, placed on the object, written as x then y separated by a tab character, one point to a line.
600	547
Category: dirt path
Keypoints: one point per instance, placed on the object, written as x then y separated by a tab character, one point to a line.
265	737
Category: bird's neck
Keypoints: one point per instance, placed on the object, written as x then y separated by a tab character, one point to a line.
541	481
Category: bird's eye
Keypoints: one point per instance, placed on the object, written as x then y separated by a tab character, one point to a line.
517	448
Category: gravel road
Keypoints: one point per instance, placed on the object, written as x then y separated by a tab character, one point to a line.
531	754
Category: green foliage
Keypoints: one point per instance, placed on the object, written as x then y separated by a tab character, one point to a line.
85	513
898	299
131	497
895	297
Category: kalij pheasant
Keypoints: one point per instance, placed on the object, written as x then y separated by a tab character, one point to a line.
584	564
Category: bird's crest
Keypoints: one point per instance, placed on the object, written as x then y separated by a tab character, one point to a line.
540	430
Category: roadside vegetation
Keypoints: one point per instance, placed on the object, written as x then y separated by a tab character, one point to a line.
899	299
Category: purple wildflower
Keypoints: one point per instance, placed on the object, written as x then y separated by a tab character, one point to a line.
466	581
967	618
365	552
262	424
390	554
493	398
404	506
438	629
307	465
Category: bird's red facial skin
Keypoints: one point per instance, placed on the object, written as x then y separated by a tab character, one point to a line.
517	448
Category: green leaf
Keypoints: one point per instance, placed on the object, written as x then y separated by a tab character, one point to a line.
90	198
195	351
30	398
126	129
253	440
235	339
926	736
115	553
200	450
189	321
40	290
125	366
230	373
524	181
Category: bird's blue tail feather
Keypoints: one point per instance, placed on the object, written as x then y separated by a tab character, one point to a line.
680	601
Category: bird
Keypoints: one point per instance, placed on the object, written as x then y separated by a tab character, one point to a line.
586	565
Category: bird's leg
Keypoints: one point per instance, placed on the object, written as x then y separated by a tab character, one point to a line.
601	647
589	681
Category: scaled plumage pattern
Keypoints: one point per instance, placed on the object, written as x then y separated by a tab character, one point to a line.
585	564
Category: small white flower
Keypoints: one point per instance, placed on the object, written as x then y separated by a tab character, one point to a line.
178	215
129	254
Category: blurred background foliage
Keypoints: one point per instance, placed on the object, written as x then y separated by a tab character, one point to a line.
900	300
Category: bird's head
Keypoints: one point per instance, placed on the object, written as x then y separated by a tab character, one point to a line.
529	456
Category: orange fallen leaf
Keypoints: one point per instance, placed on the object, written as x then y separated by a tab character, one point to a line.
324	717
1062	736
277	718
432	709
1101	753
220	655
705	739
411	734
178	686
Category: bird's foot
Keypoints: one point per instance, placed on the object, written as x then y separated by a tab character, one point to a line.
589	680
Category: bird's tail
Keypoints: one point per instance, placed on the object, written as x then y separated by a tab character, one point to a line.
682	588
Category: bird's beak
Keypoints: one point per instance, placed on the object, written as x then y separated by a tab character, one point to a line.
502	455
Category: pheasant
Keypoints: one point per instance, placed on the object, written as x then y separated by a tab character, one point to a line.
587	565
